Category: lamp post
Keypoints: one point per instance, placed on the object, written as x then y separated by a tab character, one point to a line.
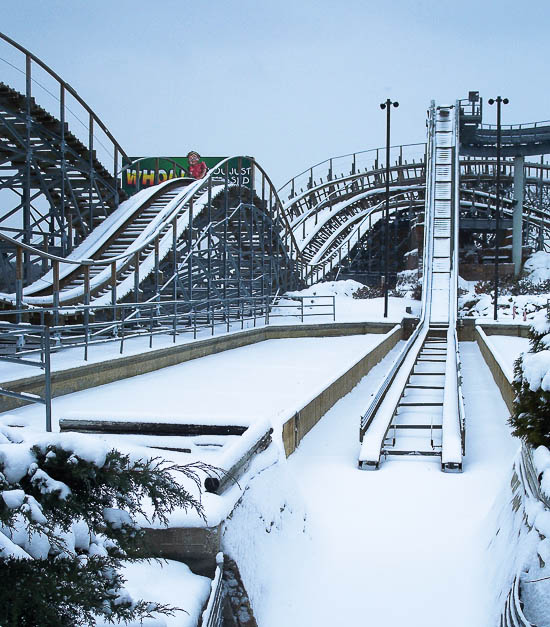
500	101
387	105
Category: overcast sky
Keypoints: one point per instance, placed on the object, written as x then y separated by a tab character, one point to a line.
291	82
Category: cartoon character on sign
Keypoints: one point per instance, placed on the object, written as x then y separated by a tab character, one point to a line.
197	168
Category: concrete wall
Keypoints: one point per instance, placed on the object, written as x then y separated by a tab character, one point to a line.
484	271
197	547
504	385
466	329
92	375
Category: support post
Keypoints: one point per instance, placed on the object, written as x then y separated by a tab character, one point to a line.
18	283
517	224
87	310
47	379
27	179
56	293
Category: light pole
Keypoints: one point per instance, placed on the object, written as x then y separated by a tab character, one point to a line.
500	101
387	105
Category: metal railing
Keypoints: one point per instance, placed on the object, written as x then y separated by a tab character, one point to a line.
212	615
33	345
349	165
16	336
301	310
123	321
522	126
90	124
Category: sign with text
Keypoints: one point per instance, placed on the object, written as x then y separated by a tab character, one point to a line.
154	170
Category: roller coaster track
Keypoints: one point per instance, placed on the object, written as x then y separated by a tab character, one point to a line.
334	203
54	185
191	239
197	240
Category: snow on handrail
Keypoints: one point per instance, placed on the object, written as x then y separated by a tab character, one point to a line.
212	615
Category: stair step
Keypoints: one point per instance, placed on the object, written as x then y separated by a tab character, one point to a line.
411	452
416	427
419	404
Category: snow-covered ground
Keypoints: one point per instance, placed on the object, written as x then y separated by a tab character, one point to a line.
349	309
328	544
508	348
511	308
240	386
170	583
261	385
406	545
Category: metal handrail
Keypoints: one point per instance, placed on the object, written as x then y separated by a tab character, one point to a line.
351	154
212	615
67	88
44	364
512	127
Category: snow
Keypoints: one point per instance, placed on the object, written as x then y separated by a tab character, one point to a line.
507	349
405	545
316	512
13	498
348	309
286	374
536	270
167	582
536	370
451	449
537	267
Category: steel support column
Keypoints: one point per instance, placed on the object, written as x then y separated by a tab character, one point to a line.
517	226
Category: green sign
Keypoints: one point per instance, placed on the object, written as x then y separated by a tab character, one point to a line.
153	170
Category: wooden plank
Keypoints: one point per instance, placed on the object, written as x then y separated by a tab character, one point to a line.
147	428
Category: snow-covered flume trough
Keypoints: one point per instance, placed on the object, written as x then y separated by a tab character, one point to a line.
418	408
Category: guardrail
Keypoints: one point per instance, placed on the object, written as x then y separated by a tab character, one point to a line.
368	416
212	615
301	311
41	336
349	165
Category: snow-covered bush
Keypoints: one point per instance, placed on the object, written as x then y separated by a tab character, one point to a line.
409	284
531	415
368	292
67	512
